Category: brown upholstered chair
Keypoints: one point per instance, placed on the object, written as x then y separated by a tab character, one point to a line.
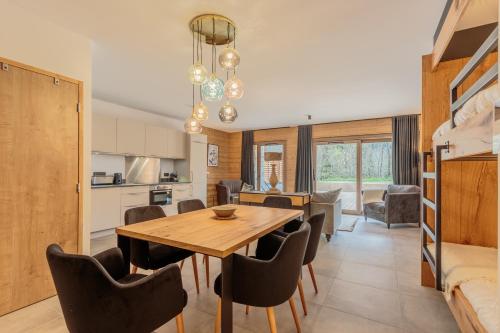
270	281
316	221
187	206
98	295
149	255
234	188
275	201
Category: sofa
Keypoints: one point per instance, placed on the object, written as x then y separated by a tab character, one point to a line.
228	191
331	204
397	204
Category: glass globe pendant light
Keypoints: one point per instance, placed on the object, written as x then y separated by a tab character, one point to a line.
200	112
197	73
192	126
229	58
234	88
228	113
213	89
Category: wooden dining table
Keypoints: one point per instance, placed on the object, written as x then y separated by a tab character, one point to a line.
201	232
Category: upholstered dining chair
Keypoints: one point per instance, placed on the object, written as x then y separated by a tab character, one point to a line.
97	294
269	280
275	201
191	205
150	255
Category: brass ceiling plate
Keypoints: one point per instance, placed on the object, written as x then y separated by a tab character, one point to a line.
206	22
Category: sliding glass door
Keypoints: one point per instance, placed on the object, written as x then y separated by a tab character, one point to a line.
353	165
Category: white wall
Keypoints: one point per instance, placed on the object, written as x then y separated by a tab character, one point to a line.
29	39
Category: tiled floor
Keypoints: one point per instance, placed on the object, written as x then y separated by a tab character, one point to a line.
368	282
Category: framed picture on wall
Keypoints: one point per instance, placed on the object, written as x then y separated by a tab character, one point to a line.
213	155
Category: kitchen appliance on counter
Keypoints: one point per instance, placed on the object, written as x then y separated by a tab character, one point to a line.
117	178
169	178
142	170
100	178
160	195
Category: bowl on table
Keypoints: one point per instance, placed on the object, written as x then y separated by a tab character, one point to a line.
225	211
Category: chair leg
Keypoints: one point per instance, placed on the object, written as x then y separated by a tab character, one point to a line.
207	270
311	271
218	316
302	298
294	313
134	269
247	309
182	264
179	320
272	320
247	249
195	270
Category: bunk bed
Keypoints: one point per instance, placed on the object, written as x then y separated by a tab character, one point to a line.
466	274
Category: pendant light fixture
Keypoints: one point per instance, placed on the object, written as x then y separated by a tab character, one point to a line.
216	30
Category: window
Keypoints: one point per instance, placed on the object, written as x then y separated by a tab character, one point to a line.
263	168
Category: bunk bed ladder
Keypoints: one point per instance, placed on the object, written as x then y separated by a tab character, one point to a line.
427	231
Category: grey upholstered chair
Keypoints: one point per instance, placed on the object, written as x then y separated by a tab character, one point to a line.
234	186
97	294
271	280
399	204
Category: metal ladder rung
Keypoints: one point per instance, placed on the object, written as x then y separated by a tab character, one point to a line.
429	203
429	175
429	231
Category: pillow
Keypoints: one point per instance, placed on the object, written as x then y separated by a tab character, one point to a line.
246	187
326	197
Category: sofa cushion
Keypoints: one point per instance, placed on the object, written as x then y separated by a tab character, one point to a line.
403	189
375	207
233	184
246	187
326	197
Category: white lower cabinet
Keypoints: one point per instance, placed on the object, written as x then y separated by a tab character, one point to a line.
110	204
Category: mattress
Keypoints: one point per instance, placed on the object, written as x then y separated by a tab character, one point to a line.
461	263
483	297
475	111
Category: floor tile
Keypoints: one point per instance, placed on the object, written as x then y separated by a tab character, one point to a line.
427	315
369	275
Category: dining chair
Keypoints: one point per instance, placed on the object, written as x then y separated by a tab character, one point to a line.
271	280
316	222
191	205
97	294
150	255
275	201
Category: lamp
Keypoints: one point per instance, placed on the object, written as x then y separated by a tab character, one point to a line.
273	179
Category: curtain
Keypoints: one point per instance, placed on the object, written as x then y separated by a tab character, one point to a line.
247	167
304	169
405	150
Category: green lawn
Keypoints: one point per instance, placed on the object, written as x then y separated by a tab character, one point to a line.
352	180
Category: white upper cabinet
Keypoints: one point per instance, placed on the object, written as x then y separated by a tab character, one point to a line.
156	141
103	133
131	137
176	144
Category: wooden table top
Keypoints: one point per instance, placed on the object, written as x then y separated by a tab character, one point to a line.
200	232
284	194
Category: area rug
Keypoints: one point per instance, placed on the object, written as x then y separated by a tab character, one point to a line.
348	225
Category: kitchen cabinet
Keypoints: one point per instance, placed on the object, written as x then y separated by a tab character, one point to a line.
176	141
156	141
105	208
132	197
103	133
130	137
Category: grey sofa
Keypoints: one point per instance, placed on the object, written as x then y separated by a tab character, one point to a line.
399	204
234	187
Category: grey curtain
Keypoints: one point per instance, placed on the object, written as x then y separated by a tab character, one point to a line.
304	169
405	150
247	167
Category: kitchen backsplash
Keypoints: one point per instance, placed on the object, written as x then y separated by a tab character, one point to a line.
116	163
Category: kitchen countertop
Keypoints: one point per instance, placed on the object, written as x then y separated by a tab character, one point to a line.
133	184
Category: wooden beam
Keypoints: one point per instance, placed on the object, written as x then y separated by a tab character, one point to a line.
456	11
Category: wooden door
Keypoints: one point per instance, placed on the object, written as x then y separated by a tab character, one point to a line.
39	171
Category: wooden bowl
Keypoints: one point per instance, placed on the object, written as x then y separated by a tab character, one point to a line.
224	211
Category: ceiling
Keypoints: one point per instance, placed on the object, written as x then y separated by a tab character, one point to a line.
333	59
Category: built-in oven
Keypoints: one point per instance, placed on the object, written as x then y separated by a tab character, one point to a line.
160	195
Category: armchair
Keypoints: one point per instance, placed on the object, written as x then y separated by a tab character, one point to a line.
234	186
98	295
399	204
333	217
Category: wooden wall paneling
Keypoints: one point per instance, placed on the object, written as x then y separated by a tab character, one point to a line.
451	185
235	155
41	150
478	204
353	128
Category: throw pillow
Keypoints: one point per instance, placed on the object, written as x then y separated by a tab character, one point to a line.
326	197
246	187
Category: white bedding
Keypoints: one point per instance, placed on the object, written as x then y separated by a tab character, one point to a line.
481	103
483	297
